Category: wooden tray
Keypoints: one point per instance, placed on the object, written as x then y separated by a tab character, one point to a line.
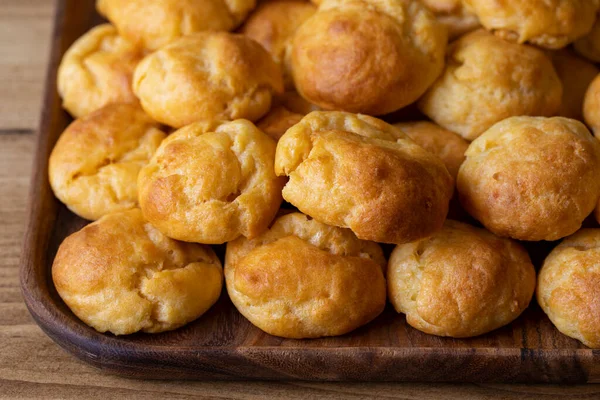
223	345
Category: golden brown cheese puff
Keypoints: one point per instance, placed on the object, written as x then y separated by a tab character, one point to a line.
97	70
121	275
273	25
488	79
591	106
589	45
211	182
569	287
206	76
461	282
552	24
576	75
95	163
278	121
304	279
367	56
357	172
155	23
454	16
532	178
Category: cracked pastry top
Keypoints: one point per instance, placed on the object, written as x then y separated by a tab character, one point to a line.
97	70
531	178
155	23
358	172
552	24
273	25
211	182
452	14
488	79
569	287
121	275
206	76
305	279
367	56
94	165
460	282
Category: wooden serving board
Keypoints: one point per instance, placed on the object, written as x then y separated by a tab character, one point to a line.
223	345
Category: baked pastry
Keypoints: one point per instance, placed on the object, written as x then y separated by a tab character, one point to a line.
591	106
451	13
532	178
195	78
278	121
448	146
211	182
273	25
94	165
155	23
97	70
488	79
547	23
589	45
358	172
569	287
121	275
342	55
576	74
305	279
460	282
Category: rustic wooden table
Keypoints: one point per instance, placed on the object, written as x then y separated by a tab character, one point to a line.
31	365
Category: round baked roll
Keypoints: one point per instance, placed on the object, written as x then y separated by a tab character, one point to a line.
488	79
205	76
367	56
278	121
358	172
273	25
460	282
97	70
155	23
589	45
547	23
569	287
211	182
452	14
591	105
304	279
121	275
576	75
94	166
532	178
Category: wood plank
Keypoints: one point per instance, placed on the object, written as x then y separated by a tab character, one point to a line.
25	27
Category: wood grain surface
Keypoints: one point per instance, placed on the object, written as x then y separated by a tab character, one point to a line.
32	366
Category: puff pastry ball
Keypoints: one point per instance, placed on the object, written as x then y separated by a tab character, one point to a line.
589	45
94	166
367	56
97	70
121	275
451	13
488	79
278	121
211	182
460	282
155	23
532	178
569	287
304	279
273	25
358	172
208	75
552	24
591	105
576	75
